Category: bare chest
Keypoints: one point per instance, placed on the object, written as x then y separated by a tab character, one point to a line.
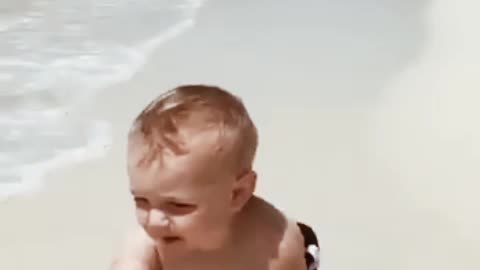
252	265
253	259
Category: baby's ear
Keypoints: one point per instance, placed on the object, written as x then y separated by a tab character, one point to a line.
243	189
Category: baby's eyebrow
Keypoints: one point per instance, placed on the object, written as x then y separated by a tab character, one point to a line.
135	193
173	198
164	198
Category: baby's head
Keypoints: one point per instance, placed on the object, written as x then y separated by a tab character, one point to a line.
190	155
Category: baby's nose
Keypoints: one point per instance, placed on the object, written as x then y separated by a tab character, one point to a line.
157	218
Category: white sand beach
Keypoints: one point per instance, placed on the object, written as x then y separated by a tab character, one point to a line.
368	132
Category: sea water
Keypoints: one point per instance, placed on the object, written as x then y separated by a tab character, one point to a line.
55	54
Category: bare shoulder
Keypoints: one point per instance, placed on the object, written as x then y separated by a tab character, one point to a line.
138	252
299	248
297	245
291	251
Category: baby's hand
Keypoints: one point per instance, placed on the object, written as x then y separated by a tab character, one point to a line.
138	253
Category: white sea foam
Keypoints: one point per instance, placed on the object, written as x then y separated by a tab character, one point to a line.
59	53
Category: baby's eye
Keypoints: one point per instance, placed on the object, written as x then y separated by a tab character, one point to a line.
178	208
181	205
140	202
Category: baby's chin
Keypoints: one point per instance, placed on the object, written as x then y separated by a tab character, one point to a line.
172	246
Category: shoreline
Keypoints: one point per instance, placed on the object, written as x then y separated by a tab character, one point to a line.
311	77
85	207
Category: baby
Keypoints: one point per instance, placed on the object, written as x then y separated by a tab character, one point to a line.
190	155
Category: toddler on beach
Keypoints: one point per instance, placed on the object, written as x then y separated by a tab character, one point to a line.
190	156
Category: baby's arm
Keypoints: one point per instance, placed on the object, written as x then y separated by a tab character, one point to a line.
138	253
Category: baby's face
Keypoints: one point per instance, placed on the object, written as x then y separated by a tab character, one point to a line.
182	201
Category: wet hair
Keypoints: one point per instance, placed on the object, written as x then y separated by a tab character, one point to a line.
201	108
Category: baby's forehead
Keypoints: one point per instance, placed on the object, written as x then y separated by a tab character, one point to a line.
188	170
197	147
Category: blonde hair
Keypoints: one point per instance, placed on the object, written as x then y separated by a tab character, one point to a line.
201	107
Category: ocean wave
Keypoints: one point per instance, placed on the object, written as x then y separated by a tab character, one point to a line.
57	54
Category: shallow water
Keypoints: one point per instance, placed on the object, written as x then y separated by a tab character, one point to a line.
57	54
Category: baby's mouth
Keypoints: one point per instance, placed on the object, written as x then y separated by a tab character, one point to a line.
170	239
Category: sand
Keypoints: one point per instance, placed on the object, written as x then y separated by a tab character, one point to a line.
344	101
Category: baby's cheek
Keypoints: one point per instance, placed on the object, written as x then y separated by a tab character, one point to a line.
189	227
185	224
142	216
